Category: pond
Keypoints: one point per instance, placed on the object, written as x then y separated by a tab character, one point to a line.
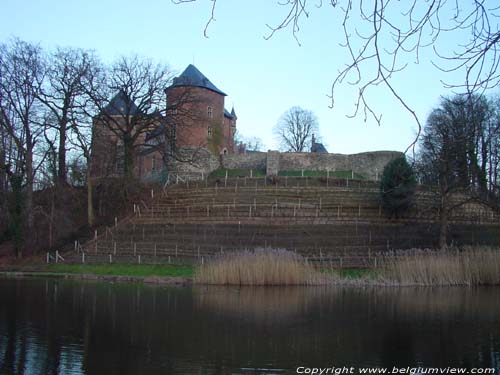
51	326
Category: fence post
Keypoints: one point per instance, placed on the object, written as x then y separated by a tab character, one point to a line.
116	221
48	258
83	257
57	256
139	259
114	247
110	258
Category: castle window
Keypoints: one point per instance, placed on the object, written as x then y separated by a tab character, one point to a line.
209	111
153	163
209	130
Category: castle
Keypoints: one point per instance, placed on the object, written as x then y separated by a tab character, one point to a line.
195	118
194	135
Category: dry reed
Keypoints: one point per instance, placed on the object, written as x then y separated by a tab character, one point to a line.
258	267
469	266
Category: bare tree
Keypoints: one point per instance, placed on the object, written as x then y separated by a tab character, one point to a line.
295	129
382	36
21	75
455	153
63	94
138	86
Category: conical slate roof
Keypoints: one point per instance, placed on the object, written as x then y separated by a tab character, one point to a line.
121	105
191	76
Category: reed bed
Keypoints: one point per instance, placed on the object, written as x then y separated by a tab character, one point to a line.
258	267
469	266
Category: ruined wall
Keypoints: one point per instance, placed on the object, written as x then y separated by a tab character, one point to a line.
254	160
369	164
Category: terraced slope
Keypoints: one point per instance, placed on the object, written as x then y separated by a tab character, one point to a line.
337	222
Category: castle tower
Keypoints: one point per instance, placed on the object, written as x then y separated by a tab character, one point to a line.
196	116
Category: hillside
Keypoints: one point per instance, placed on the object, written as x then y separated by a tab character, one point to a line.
335	221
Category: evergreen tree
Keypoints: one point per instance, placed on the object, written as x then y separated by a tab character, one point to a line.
397	186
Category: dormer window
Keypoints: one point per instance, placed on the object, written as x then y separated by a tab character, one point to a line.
209	111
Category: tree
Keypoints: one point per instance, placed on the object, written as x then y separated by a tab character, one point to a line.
295	129
244	144
382	36
397	186
64	95
455	153
138	88
21	76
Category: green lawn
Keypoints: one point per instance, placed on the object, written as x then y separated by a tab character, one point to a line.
332	174
122	270
221	172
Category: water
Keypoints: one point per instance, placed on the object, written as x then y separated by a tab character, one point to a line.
73	327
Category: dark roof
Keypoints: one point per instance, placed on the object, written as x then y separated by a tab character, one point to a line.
121	105
227	114
191	76
233	113
318	147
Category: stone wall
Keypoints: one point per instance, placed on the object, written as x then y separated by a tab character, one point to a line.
368	164
254	160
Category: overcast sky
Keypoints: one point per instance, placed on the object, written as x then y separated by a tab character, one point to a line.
263	78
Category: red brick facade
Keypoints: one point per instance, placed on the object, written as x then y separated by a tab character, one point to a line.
195	117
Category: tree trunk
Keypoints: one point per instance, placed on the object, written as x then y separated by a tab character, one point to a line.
61	170
128	155
90	205
443	222
28	204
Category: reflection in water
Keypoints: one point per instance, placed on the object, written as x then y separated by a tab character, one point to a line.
68	327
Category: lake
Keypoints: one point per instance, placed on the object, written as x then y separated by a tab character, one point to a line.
53	326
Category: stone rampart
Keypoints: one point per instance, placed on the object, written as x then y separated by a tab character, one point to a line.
254	160
368	164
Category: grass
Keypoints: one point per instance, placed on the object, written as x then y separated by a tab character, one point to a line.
353	273
471	266
259	267
123	270
221	173
332	174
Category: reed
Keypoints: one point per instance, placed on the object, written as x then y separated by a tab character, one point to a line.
258	267
469	266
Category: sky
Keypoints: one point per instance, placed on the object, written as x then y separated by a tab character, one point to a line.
263	78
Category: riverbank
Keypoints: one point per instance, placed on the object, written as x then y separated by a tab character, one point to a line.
466	267
150	274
